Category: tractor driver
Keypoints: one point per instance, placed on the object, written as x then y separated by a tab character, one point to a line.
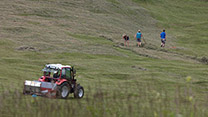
56	74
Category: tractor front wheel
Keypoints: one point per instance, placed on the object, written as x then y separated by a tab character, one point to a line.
63	90
79	92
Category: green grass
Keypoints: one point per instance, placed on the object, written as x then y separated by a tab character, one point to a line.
186	21
118	81
111	83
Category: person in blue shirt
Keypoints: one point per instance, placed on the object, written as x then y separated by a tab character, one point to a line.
138	36
163	38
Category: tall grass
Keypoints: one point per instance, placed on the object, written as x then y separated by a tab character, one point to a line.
137	99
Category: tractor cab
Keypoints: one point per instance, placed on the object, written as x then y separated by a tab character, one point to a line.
57	72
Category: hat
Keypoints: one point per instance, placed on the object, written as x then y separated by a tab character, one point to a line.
139	30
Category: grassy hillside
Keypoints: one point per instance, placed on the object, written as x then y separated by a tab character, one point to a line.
118	80
185	20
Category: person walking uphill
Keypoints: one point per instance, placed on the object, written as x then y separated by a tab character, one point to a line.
138	36
163	38
126	39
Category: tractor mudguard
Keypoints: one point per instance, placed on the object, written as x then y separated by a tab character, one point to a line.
59	82
41	79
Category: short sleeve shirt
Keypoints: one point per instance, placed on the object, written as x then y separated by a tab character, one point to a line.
162	35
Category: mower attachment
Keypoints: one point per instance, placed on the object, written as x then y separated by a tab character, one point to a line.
40	88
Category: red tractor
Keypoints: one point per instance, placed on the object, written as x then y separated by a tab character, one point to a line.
58	81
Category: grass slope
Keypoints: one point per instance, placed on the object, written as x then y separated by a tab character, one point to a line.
185	20
118	81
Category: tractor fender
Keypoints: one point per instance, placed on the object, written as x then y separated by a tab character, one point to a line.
41	79
59	82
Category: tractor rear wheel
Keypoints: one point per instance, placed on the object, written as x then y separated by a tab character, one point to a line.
63	90
78	92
